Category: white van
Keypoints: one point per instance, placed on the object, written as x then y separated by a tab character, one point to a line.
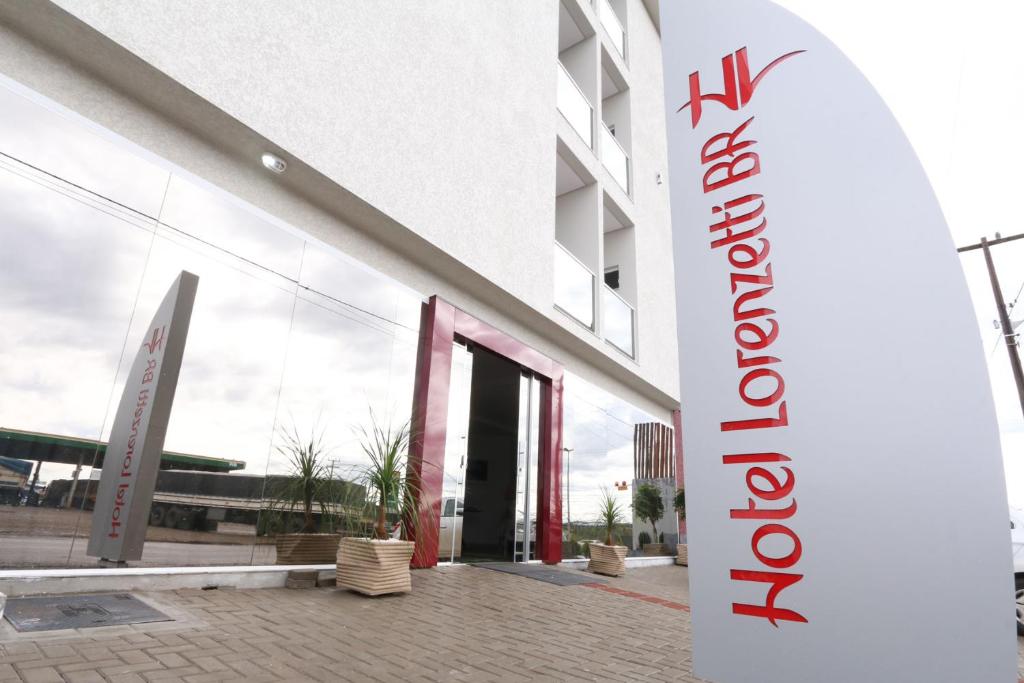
1017	538
450	541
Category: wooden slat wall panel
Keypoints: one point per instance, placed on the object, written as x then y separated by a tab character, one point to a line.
653	451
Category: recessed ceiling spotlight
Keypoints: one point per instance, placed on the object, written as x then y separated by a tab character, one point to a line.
274	163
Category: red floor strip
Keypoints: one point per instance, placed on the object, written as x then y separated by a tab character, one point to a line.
640	596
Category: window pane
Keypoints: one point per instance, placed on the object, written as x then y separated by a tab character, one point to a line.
228	226
574	287
607	437
285	334
69	271
66	149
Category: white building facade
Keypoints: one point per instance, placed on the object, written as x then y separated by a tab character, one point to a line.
502	166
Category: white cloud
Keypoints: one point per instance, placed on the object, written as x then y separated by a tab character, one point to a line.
951	73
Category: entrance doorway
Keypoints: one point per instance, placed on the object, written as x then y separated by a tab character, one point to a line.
490	490
439	432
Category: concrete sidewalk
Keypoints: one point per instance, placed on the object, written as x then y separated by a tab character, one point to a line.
460	623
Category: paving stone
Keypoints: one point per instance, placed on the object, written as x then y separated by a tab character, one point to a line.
458	624
178	673
171	660
127	678
45	674
88	665
92	676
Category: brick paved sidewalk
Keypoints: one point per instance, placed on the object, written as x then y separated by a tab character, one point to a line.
460	623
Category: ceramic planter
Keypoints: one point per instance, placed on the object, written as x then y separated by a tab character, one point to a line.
681	556
609	560
307	548
374	567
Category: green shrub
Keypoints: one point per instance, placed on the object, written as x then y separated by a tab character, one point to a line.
680	503
645	538
610	515
648	505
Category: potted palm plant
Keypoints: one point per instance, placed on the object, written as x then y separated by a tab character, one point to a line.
649	506
306	489
380	564
608	558
679	503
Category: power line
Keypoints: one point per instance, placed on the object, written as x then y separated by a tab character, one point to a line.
1019	290
212	245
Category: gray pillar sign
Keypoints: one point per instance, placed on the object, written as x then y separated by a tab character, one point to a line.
137	440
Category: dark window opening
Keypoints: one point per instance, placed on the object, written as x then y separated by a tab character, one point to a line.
611	277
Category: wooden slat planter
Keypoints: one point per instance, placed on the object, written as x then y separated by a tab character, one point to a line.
609	560
374	567
654	549
681	555
307	548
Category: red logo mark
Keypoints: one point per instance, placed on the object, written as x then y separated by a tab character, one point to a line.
739	88
157	342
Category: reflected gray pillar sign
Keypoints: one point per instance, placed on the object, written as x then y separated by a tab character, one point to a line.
132	460
847	510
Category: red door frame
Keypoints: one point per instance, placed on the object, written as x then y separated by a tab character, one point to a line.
440	324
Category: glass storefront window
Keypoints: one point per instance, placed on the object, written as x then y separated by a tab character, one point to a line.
604	447
70	152
286	334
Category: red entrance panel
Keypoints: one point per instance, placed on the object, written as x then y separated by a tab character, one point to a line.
429	424
440	323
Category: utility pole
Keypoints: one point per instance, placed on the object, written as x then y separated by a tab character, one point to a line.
1004	317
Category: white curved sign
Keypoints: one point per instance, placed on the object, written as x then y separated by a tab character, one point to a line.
847	508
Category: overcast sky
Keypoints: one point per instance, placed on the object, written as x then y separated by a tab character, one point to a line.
952	74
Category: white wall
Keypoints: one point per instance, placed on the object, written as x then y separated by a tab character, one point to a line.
615	111
580	60
436	112
651	215
577	218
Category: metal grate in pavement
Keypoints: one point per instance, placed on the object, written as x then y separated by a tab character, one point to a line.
59	612
540	572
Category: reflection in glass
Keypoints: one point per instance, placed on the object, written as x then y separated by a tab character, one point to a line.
226	225
65	149
285	333
344	369
574	286
599	431
526	469
533	489
617	320
456	440
226	399
69	270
